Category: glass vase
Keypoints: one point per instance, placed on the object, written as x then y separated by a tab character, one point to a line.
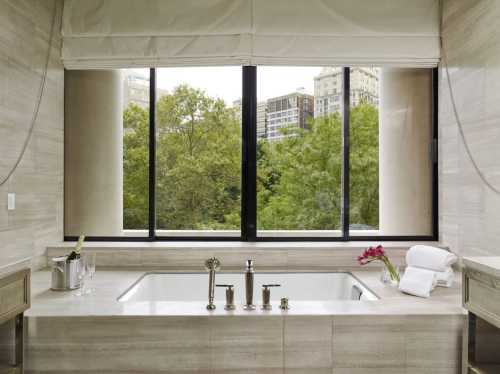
385	276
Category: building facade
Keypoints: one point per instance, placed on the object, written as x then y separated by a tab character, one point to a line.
135	89
328	89
261	117
262	120
288	112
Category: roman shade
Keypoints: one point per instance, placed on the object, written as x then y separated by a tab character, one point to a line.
155	33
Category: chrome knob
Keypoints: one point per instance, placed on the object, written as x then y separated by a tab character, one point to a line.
284	303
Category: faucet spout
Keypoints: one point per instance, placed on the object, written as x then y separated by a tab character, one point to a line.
249	278
212	265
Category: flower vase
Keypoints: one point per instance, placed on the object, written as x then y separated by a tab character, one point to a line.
386	278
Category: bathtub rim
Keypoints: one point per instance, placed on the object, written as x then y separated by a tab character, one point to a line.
155	272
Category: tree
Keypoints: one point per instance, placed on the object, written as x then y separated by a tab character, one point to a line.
364	174
198	162
135	167
299	178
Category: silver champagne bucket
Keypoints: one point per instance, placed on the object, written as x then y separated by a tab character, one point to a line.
65	273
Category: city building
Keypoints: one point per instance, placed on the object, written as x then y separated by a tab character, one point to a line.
135	89
288	112
328	89
261	117
262	120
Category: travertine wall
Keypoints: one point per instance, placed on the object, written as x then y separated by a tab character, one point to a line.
38	182
405	166
93	162
469	211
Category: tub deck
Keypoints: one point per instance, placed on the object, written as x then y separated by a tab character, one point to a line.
98	334
110	284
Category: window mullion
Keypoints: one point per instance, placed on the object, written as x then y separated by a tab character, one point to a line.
152	154
346	92
249	155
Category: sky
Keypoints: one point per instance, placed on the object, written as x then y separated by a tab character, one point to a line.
225	82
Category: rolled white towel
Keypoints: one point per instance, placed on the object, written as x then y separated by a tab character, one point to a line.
432	258
418	282
445	278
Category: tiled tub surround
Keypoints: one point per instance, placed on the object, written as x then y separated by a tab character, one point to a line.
97	334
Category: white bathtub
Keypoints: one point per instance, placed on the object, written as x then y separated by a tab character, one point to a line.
295	286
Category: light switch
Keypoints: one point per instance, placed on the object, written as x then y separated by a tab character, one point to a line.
11	201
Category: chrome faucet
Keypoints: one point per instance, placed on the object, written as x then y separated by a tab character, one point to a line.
212	265
249	275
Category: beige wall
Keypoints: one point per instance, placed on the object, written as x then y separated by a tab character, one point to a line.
38	182
469	211
405	137
94	153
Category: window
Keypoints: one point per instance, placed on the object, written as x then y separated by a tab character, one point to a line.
251	153
299	168
106	184
391	152
198	152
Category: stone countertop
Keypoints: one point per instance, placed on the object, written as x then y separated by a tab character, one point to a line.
110	284
486	264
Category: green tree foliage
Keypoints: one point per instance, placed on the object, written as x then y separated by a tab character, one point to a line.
364	198
199	168
198	162
299	179
135	167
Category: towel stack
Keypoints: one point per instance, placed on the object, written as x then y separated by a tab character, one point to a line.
427	267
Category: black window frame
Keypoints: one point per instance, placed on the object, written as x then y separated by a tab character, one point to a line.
248	231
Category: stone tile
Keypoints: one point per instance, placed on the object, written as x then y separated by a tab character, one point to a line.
369	370
362	342
246	343
308	343
160	344
434	343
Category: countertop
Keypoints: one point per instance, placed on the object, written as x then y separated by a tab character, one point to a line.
110	284
486	264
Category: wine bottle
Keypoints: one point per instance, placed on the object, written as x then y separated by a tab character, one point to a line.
76	253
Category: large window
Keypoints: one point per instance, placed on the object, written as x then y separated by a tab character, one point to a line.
252	153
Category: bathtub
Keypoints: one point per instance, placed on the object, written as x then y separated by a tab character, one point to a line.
180	287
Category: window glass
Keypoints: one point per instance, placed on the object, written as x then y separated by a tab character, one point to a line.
198	151
106	153
136	152
299	162
390	162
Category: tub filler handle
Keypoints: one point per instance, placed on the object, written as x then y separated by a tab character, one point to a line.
229	295
212	265
266	295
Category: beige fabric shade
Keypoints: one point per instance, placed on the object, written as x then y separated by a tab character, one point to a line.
149	33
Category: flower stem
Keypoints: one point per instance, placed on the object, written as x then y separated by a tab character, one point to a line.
392	270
